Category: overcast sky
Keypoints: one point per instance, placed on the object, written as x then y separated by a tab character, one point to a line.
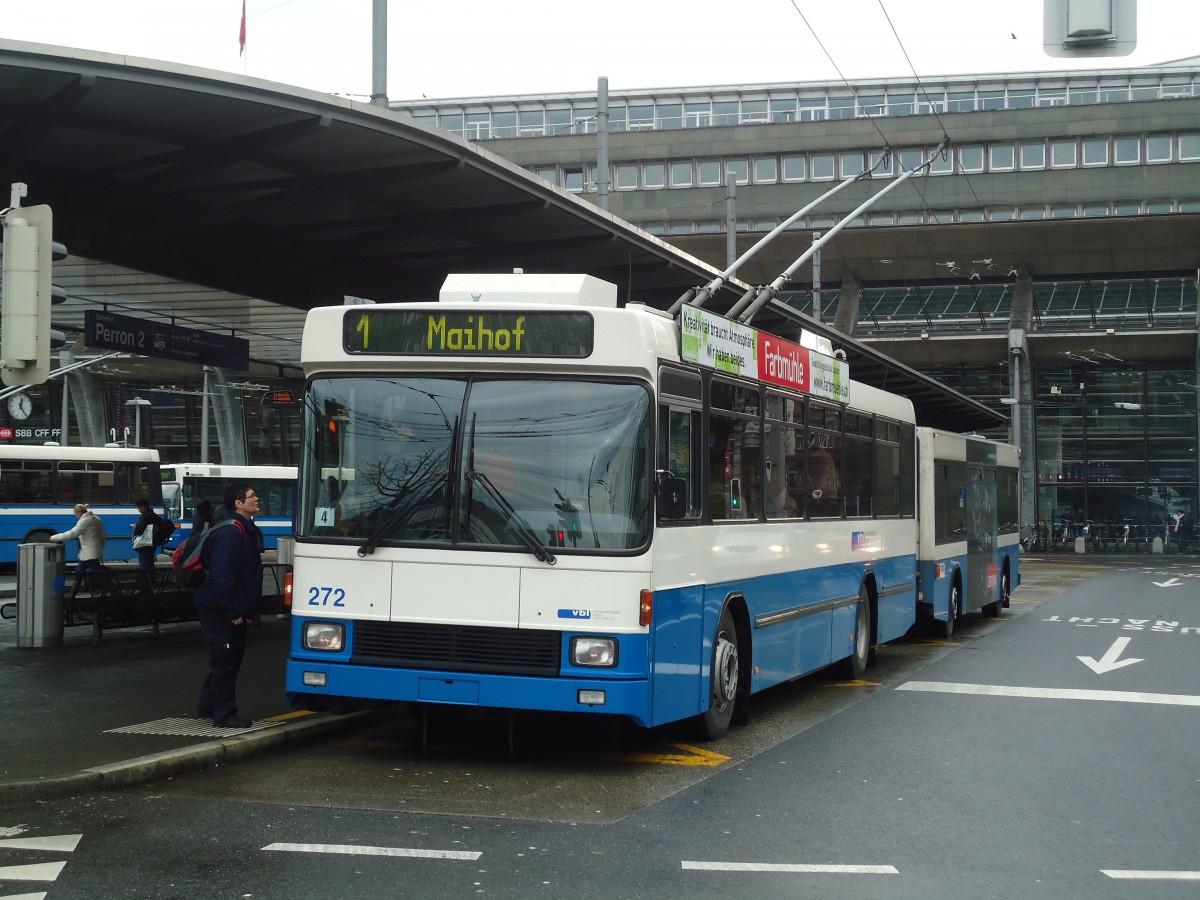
458	48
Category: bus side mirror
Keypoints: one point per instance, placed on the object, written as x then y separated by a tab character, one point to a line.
672	497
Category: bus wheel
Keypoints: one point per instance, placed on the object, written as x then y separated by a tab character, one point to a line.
40	536
946	629
723	697
994	609
855	666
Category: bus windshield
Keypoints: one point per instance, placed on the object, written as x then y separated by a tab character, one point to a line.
478	462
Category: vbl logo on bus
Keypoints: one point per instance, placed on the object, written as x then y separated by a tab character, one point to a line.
574	613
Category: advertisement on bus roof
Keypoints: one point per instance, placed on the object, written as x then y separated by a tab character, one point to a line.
718	343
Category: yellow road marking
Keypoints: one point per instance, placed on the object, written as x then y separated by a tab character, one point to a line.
285	717
692	756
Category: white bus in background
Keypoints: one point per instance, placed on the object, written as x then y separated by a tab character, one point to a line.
186	484
40	485
526	497
969	543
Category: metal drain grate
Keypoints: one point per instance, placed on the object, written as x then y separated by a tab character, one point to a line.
184	726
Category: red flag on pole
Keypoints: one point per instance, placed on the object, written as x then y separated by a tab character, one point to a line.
242	33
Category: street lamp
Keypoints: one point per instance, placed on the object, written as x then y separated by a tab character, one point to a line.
137	403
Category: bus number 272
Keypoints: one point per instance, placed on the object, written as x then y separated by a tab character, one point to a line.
326	596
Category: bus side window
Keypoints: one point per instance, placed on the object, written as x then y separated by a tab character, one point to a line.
679	453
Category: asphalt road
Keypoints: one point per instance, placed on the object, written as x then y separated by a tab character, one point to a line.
999	764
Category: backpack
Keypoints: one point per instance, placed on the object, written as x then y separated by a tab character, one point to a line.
163	529
188	559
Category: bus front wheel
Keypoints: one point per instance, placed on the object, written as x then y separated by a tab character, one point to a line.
715	720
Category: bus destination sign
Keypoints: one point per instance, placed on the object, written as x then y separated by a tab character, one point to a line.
478	333
727	346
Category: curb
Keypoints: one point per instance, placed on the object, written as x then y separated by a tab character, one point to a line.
169	763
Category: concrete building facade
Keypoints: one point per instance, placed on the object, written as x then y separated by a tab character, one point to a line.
1044	261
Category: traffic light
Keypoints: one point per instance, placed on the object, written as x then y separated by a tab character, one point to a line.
27	294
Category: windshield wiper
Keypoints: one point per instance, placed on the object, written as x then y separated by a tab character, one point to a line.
399	516
527	535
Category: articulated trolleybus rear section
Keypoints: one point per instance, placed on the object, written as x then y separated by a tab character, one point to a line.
526	497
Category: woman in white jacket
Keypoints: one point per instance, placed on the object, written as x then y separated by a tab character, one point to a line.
92	538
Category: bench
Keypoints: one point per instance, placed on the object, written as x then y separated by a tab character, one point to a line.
128	598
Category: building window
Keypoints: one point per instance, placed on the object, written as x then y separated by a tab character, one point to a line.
1158	148
697	115
1063	154
850	163
1062	212
626	176
1127	209
970	158
681	173
1095	151
681	228
709	172
451	122
900	104
654	175
822	166
1033	155
783	110
766	170
910	159
1001	157
641	118
1114	93
1127	151
725	112
910	217
669	115
1033	212
1000	215
1189	146
573	178
531	122
971	215
504	124
794	167
479	126
549	173
740	168
1021	98
1159	208
943	162
558	121
1091	210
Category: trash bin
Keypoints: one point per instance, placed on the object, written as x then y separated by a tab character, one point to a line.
41	579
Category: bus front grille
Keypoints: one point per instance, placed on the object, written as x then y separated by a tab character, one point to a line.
458	648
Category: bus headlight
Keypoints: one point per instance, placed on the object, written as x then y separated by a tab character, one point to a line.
329	636
594	651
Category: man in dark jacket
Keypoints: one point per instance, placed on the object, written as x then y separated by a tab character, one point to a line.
231	594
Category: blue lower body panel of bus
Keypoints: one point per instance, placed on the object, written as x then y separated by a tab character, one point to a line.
622	691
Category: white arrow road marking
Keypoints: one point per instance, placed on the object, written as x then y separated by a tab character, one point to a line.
356	850
32	872
1108	662
805	868
1152	875
36	895
56	843
1034	693
1173	582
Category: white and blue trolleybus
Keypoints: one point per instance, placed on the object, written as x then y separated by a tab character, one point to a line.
527	497
969	539
186	484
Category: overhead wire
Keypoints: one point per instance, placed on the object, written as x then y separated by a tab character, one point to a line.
925	94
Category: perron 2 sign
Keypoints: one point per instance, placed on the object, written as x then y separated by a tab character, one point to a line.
108	331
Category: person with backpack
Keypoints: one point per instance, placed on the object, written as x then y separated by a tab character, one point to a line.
147	547
230	594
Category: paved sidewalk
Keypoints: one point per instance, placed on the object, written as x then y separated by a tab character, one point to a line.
83	718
